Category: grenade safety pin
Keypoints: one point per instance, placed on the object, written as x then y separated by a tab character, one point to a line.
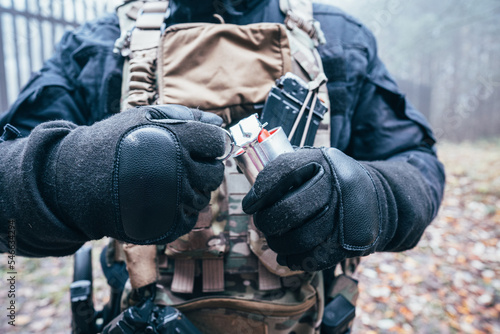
253	147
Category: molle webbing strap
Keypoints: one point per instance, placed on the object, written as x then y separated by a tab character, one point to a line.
183	280
213	268
144	40
299	14
302	8
151	15
213	275
293	19
238	187
307	62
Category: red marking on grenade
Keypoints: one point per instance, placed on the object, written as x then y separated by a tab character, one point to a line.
263	135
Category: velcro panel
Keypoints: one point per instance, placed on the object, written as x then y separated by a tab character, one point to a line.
215	66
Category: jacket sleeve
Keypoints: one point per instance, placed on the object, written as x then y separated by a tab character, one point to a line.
23	199
385	126
380	128
79	84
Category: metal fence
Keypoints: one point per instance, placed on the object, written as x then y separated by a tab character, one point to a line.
29	29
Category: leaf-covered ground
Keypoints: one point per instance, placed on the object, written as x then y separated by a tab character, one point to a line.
450	283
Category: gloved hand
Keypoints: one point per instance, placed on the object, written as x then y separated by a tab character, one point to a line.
140	176
317	207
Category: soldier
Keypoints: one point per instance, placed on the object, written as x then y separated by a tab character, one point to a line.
73	169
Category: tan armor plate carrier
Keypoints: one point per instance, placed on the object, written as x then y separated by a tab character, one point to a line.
222	275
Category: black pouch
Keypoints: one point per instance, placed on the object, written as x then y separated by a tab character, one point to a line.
283	105
340	309
338	315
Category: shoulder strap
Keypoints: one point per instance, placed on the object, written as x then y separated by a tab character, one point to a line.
301	8
305	36
141	23
299	13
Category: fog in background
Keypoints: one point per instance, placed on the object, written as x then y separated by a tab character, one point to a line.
444	54
29	30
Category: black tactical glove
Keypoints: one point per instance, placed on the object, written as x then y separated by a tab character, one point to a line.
152	169
317	207
140	176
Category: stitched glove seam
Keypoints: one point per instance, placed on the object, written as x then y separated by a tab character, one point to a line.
308	184
379	209
338	188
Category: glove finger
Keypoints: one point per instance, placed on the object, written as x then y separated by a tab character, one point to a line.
206	176
287	171
187	218
321	257
303	238
204	142
179	112
198	131
193	200
296	207
199	181
207	117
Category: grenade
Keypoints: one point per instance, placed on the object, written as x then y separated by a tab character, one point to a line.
256	146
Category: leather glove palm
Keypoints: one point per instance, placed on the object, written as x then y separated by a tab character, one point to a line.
317	207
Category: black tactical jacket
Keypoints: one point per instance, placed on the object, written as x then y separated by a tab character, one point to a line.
370	118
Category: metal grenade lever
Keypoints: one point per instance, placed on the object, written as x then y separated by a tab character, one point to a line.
255	146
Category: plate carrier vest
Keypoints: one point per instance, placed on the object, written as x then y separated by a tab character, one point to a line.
222	275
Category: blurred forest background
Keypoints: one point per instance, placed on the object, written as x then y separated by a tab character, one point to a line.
445	56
